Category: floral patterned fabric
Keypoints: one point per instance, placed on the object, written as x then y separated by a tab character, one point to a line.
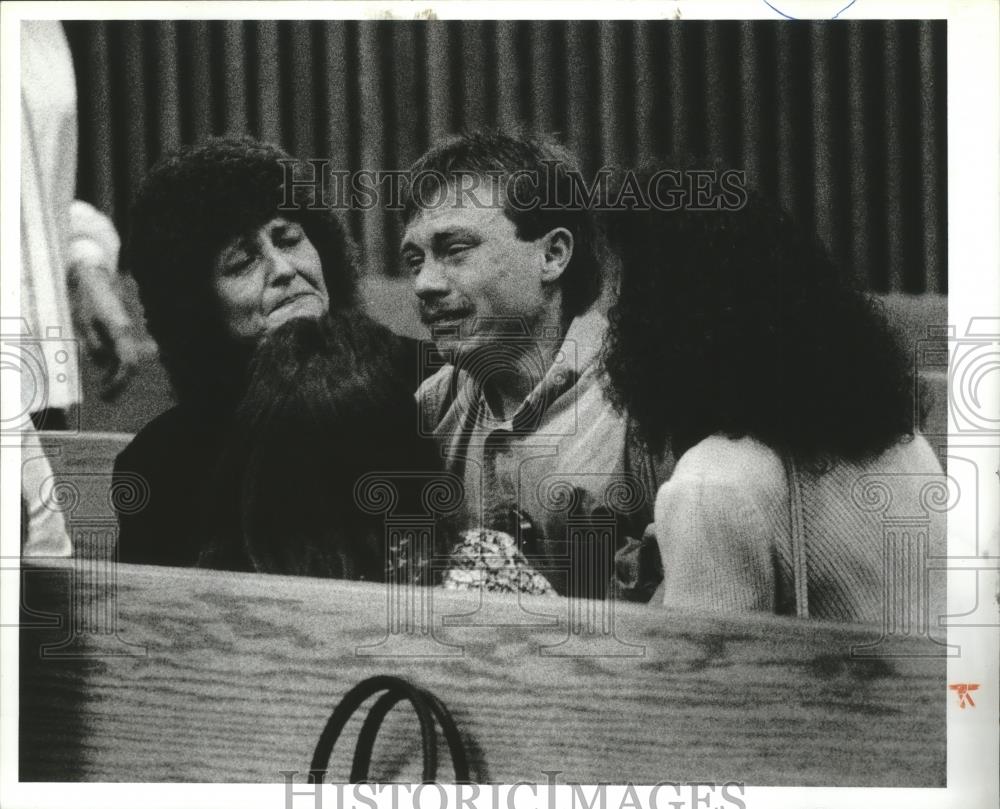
490	560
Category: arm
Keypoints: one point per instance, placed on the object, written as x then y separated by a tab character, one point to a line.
715	545
100	316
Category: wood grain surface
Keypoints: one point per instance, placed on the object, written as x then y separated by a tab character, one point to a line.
150	674
83	452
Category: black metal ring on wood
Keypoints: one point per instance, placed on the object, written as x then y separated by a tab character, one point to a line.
428	709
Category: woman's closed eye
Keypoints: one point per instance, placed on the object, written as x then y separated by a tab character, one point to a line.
237	263
288	235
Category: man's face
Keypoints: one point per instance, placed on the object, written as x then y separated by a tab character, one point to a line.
267	277
476	281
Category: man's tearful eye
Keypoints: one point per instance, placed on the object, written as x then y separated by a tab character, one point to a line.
412	262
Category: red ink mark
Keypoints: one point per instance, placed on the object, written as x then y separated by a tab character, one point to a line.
963	690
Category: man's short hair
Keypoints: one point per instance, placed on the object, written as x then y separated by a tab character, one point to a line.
537	178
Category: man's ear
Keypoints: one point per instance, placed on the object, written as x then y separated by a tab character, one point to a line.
558	246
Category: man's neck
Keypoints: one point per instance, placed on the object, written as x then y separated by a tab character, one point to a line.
518	369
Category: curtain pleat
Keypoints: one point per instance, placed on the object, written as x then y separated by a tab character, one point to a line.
136	157
843	121
334	98
932	188
895	164
166	86
234	66
198	81
439	94
644	102
542	67
790	141
721	127
475	77
677	86
370	94
267	87
860	115
581	89
97	142
613	111
750	103
508	84
823	124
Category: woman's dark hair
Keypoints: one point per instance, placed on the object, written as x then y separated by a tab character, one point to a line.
738	322
325	406
191	204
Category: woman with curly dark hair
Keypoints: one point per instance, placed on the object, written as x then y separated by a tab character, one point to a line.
221	258
738	345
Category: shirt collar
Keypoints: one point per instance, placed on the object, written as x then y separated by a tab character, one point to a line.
576	354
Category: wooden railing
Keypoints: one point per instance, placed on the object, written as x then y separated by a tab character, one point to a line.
134	673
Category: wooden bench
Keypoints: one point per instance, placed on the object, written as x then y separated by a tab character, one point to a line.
80	484
157	674
82	463
134	674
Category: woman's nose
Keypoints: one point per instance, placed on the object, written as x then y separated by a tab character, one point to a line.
280	267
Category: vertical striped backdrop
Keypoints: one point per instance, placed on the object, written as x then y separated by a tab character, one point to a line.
845	121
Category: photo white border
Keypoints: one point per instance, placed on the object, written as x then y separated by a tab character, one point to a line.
974	290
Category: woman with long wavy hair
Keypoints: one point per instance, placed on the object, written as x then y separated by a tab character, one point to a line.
740	347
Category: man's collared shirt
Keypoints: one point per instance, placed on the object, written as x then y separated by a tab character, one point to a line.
552	464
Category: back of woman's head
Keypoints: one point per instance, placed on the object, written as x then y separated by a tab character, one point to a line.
737	322
324	407
191	204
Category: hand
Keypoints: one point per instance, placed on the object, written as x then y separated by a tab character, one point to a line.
638	569
104	325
